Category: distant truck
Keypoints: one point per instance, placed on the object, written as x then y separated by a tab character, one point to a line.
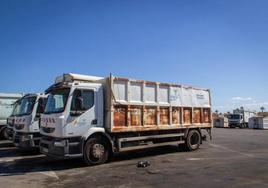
26	121
240	118
11	119
94	117
7	101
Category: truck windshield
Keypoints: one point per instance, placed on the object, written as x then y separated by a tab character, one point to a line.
56	101
26	106
234	116
16	108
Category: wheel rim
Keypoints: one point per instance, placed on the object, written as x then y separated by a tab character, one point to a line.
194	139
97	152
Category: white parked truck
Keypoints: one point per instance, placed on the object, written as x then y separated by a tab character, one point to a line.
26	122
7	101
239	118
93	117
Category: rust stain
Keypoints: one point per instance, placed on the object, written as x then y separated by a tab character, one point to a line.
164	116
150	116
135	116
176	116
197	115
206	115
187	115
120	116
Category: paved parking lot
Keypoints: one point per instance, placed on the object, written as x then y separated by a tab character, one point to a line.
234	158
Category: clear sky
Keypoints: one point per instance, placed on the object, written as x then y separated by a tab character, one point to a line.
216	44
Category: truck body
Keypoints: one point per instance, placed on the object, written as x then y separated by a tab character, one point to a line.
93	117
26	122
240	118
7	101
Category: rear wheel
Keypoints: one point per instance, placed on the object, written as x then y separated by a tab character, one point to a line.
193	140
96	151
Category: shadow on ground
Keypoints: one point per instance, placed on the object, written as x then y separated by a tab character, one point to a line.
44	164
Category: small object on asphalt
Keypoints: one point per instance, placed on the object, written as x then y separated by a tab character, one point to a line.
143	164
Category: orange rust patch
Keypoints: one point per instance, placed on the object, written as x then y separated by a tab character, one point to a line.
150	116
164	116
176	116
120	116
197	115
187	115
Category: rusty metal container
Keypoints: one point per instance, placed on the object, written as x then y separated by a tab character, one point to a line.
138	105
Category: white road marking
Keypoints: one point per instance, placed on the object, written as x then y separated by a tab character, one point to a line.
234	151
198	159
50	173
13	159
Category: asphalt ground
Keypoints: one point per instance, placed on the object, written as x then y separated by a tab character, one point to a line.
234	158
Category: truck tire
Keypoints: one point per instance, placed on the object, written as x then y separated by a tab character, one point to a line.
96	151
193	140
3	134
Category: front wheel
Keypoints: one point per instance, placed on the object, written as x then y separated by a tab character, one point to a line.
96	151
193	140
3	134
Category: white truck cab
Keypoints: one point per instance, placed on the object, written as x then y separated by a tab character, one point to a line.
11	119
73	109
26	122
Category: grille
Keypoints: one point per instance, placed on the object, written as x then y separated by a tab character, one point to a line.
48	129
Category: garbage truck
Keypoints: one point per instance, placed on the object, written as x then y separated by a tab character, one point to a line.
240	118
95	117
26	122
7	101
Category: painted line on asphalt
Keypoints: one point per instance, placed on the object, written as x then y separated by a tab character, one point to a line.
13	159
231	150
199	159
50	173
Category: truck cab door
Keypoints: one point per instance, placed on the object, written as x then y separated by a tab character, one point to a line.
82	112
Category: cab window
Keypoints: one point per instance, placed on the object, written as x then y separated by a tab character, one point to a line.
41	105
82	100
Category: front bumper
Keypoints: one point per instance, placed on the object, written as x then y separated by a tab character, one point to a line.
26	140
61	147
234	124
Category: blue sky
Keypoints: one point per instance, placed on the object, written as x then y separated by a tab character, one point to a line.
221	45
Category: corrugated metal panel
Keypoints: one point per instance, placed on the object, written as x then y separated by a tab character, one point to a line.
175	96
163	94
150	93
135	92
120	90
